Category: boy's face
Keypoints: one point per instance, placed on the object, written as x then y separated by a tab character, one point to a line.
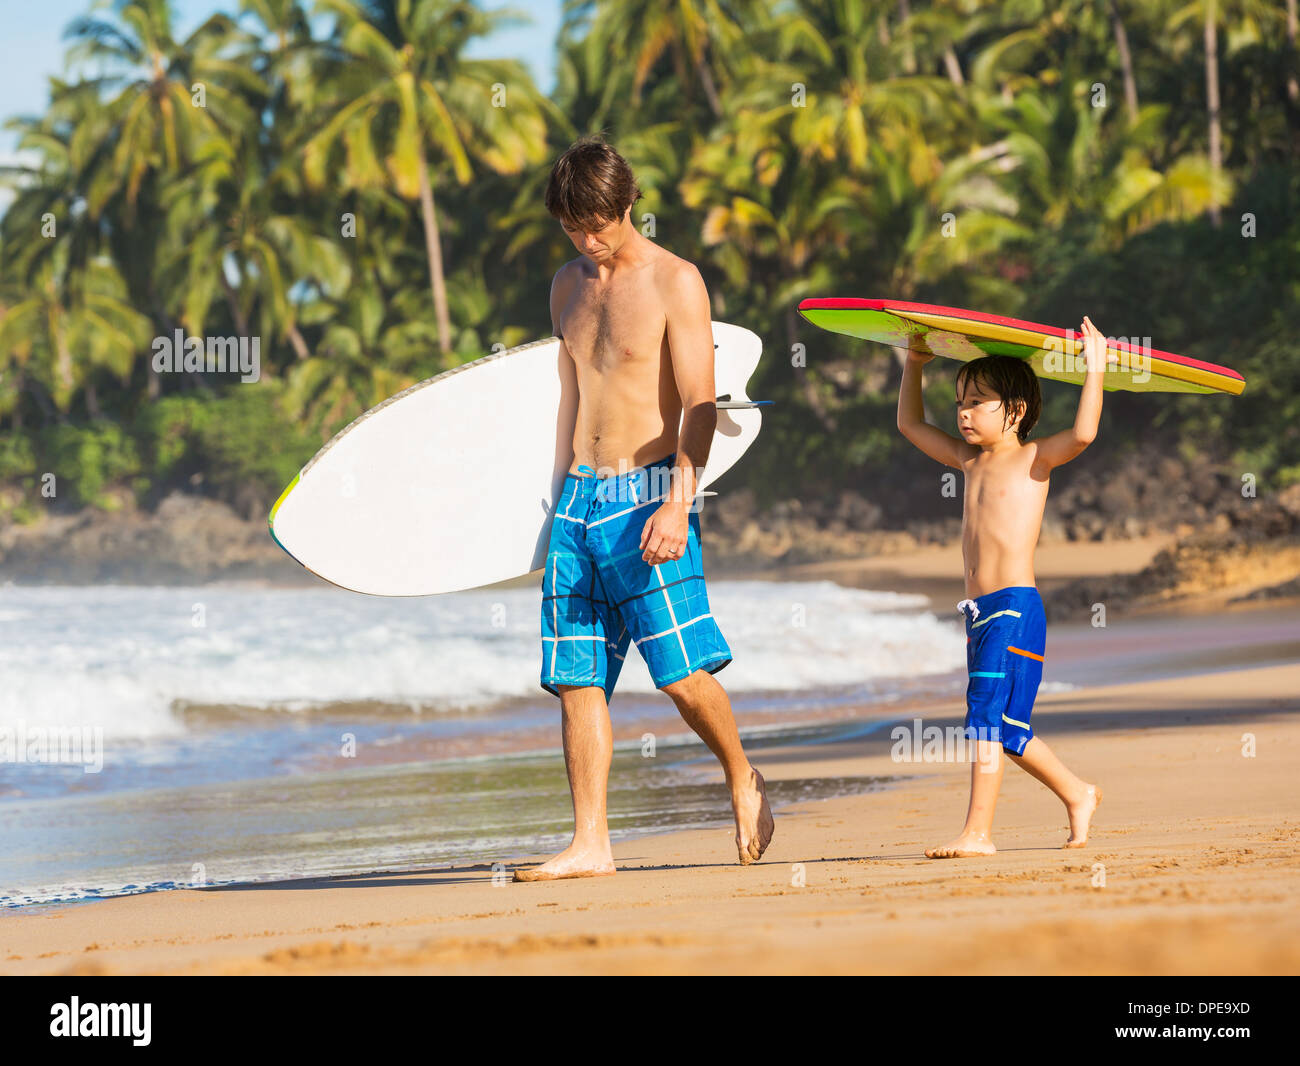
599	243
980	415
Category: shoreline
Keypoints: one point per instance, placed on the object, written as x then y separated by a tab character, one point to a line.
1177	847
1175	572
1199	869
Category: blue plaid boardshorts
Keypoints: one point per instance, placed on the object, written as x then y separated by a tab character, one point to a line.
599	595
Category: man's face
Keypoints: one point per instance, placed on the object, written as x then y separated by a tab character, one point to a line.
980	416
597	244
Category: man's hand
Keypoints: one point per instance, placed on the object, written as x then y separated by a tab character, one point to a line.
664	534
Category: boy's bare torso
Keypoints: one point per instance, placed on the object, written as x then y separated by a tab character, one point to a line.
1006	492
614	327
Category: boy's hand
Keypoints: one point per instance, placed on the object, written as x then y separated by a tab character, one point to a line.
1095	351
919	358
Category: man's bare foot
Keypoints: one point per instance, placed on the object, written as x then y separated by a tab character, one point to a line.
754	824
1081	817
571	862
964	847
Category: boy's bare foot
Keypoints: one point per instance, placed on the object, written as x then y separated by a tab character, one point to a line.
1081	817
964	847
754	824
572	862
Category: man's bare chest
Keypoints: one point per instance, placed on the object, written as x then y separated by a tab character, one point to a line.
605	327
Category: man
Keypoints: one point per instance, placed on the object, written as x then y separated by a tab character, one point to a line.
624	561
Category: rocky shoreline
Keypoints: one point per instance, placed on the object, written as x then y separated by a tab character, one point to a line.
1234	546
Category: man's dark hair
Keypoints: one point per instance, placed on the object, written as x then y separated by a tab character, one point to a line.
1013	380
590	185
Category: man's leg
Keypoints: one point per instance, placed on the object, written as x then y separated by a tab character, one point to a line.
588	749
705	707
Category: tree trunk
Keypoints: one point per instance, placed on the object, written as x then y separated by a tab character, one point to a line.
953	67
92	401
1125	61
1292	85
909	52
1212	98
49	413
232	301
706	81
296	341
433	245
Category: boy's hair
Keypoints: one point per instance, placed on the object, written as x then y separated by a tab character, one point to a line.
1013	380
590	185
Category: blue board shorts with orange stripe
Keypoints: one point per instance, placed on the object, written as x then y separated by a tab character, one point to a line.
599	595
1006	645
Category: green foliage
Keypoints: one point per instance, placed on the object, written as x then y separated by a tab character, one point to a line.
17	457
238	446
87	461
290	207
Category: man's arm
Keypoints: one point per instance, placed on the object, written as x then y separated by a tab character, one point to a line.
1060	448
568	370
690	344
938	445
559	297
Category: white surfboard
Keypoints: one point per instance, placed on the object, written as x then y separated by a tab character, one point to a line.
452	483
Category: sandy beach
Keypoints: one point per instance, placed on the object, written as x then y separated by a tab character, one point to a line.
1192	868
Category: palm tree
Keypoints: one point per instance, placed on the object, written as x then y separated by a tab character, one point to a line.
400	88
854	91
940	28
72	322
1254	18
1125	60
152	124
144	122
696	35
1292	85
375	344
240	224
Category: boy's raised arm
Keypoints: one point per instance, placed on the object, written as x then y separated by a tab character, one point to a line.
938	445
1061	447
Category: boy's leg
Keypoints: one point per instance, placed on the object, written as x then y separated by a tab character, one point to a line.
1079	797
976	837
705	707
588	749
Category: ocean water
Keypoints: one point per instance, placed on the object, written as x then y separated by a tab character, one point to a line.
240	734
134	661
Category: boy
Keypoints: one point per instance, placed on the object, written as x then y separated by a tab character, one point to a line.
1006	490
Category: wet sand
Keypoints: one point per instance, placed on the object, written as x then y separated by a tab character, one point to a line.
1192	868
